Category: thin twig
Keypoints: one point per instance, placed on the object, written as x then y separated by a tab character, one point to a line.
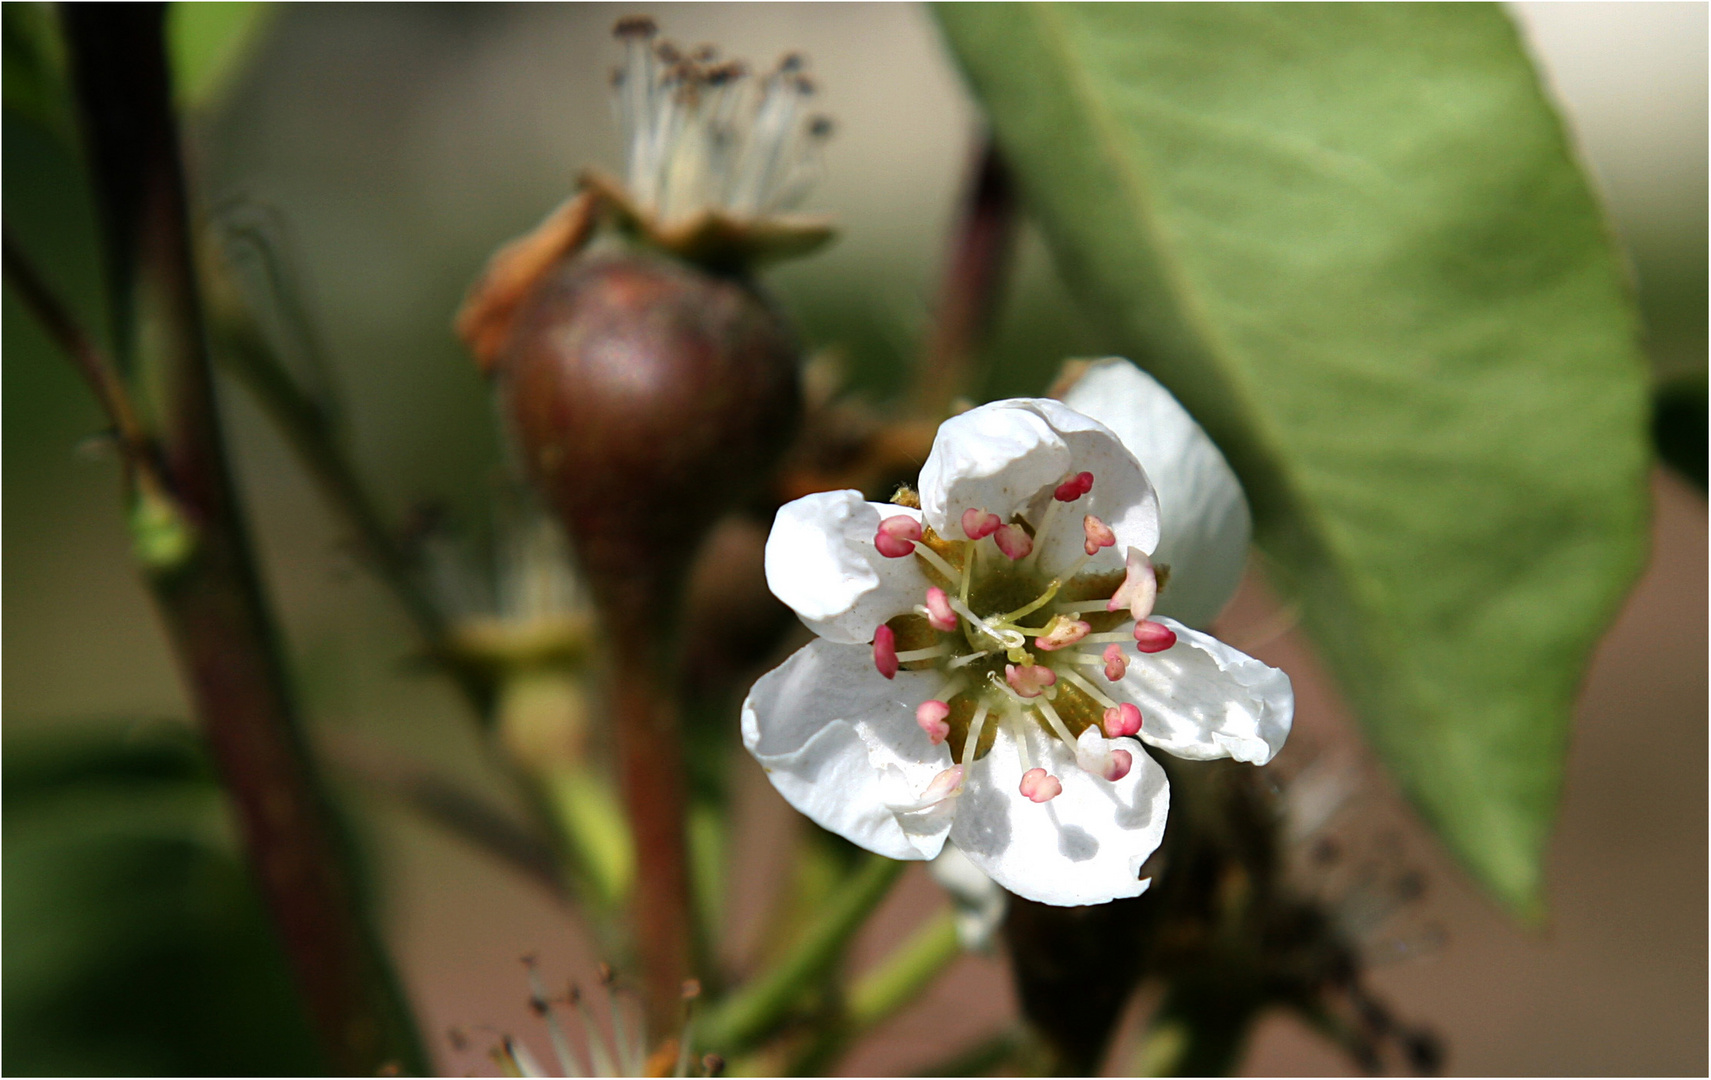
209	594
93	364
973	283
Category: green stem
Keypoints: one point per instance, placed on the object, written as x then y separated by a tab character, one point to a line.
758	1008
1196	1033
905	973
876	996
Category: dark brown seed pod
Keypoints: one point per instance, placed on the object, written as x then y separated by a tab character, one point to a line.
648	397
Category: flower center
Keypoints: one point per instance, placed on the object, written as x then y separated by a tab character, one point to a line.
1020	641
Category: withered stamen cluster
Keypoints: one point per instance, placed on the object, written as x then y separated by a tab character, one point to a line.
705	134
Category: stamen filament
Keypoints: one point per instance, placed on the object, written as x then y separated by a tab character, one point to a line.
939	563
1088	688
923	654
1009	639
970	658
1043	531
974	726
970	553
1073	607
951	688
1075	568
1039	602
1056	722
1117	636
1012	719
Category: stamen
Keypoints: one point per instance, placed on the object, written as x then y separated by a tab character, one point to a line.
977	523
1074	488
1030	680
1152	637
1116	664
970	556
1032	606
1121	762
943	787
1009	639
1087	688
542	1007
930	715
1076	607
1139	588
923	654
939	613
1062	632
1013	541
970	658
593	1038
1040	786
897	536
972	743
885	651
932	556
1099	535
1100	639
1098	757
1124	719
1056	722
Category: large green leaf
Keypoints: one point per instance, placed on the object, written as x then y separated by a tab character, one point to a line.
1352	239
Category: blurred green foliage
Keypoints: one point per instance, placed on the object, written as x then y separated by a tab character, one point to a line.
1352	239
135	942
208	43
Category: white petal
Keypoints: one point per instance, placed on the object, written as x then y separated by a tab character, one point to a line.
839	741
980	904
1201	699
821	561
1085	846
1204	523
1007	457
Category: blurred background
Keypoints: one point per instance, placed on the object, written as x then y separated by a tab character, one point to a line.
399	145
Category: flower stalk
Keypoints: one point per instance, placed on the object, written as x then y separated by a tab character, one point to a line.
760	1007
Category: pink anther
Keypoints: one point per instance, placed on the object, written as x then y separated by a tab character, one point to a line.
1074	488
1139	588
1122	720
896	536
939	613
1099	535
977	523
1151	637
1120	764
931	716
1040	786
1013	541
1116	664
1062	631
1029	680
885	651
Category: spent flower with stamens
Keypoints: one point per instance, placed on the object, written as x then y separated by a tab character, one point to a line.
702	134
1016	731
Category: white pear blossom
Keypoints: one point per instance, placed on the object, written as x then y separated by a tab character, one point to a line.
989	664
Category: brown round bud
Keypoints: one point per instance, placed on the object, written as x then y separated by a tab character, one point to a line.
648	397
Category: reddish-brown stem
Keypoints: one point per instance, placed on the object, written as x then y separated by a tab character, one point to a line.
974	276
209	596
650	761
